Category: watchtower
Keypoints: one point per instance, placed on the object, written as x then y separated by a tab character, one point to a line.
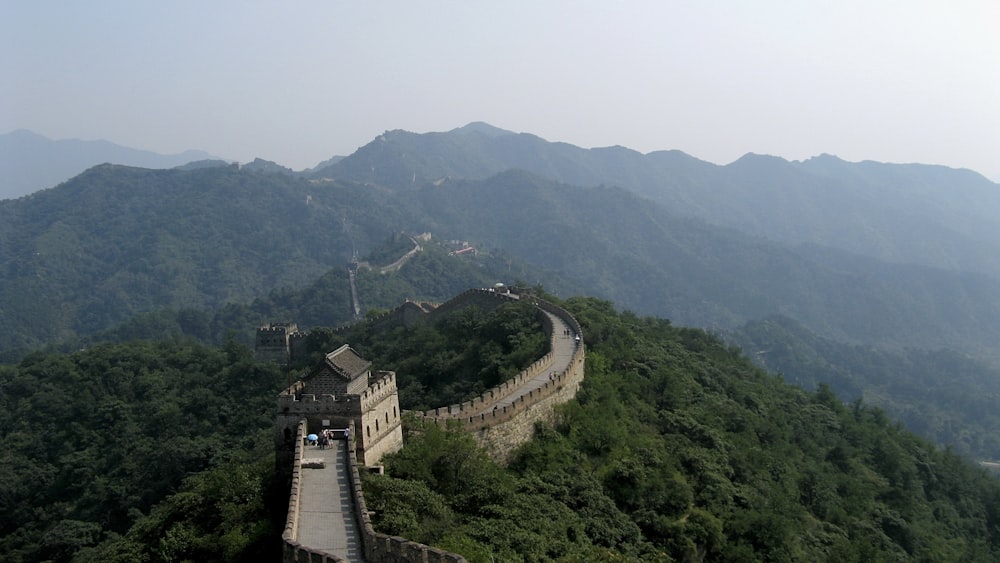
340	391
273	342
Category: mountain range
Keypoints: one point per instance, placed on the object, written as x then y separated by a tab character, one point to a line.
859	256
30	162
920	214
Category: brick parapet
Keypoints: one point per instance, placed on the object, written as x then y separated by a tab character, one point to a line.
378	389
291	550
500	431
490	396
571	378
309	404
383	548
487	399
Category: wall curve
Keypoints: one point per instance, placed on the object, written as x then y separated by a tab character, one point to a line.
501	430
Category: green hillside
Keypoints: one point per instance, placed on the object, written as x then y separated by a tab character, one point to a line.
677	448
117	241
948	398
920	214
121	253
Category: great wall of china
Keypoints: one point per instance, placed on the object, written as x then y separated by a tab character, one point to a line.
327	517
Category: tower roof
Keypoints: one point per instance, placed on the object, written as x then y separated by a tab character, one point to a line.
346	362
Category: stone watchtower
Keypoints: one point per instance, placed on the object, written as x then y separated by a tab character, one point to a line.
342	391
274	343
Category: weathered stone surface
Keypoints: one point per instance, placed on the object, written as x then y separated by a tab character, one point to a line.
330	496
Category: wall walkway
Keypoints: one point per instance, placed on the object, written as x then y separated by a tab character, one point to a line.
326	507
327	517
328	520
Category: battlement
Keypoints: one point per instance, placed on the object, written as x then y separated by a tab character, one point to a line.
377	547
381	385
278	327
491	396
507	412
506	426
373	415
272	342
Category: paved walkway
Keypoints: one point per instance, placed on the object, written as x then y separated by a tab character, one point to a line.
562	355
326	509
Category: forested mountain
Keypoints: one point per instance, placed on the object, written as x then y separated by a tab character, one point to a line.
929	215
203	251
118	241
30	162
898	259
677	448
433	275
649	260
947	397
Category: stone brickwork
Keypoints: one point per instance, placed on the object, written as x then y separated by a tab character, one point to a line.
503	429
272	342
375	411
374	417
380	427
378	548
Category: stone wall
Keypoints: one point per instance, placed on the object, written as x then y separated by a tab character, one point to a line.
272	342
378	548
381	420
293	407
501	437
502	430
411	313
375	412
491	396
382	548
291	550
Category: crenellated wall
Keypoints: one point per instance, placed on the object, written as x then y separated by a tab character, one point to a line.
375	411
378	548
382	548
272	342
411	312
503	429
381	420
375	418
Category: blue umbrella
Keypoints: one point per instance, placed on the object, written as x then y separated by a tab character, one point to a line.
312	437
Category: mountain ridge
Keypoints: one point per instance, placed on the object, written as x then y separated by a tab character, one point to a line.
30	162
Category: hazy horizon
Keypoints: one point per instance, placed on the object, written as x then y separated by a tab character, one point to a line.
296	84
264	157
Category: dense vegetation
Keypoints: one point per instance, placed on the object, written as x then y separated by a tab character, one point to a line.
184	252
452	360
431	276
946	397
92	442
208	253
679	448
117	241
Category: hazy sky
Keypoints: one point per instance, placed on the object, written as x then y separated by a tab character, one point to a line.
298	82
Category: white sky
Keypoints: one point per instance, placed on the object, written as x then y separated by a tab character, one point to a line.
297	82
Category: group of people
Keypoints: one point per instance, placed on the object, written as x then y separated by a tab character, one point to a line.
325	438
568	332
